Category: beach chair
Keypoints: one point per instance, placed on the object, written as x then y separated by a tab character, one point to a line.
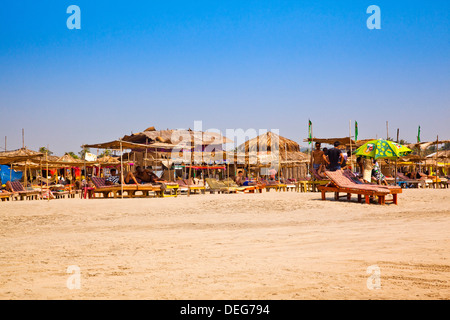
129	190
316	180
168	189
350	175
273	184
341	183
302	184
405	182
246	189
193	187
291	184
18	190
5	196
183	187
218	186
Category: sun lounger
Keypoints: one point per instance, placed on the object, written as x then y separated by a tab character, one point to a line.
129	190
273	184
218	186
169	189
18	190
405	182
250	189
183	187
341	183
5	196
193	188
357	180
316	180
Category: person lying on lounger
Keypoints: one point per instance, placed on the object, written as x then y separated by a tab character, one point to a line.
146	176
242	181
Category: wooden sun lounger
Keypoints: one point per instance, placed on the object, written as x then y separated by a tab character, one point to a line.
268	185
129	189
18	190
340	183
405	182
193	188
5	196
246	189
218	186
316	180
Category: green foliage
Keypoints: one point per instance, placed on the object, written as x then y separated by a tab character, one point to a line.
72	154
44	150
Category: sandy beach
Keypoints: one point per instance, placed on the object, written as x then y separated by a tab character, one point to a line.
241	246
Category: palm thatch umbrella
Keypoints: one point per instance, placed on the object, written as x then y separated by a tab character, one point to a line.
270	149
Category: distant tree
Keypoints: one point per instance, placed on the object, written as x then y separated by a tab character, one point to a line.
83	152
446	146
72	154
403	142
44	150
105	153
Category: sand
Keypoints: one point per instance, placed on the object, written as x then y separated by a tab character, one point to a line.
241	246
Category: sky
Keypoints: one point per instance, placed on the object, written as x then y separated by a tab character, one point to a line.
258	65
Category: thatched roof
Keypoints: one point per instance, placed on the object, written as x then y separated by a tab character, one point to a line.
174	136
268	148
268	141
441	154
425	145
343	141
117	144
23	154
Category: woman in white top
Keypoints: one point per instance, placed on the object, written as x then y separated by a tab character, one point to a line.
367	173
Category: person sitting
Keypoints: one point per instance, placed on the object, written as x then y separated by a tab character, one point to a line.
113	178
242	181
380	178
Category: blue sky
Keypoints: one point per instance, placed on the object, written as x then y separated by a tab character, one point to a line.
231	64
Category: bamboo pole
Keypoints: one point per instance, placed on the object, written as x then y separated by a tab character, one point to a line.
48	189
40	165
121	169
351	150
312	145
436	168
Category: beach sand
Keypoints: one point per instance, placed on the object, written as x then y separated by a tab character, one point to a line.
241	246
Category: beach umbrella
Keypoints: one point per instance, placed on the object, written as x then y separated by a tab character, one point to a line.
382	149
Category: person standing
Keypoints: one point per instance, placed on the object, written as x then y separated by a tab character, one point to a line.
335	157
319	159
367	172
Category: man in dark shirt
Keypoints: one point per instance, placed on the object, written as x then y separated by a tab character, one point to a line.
335	157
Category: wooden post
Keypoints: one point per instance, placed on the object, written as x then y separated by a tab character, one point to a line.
387	130
351	150
48	189
436	168
121	169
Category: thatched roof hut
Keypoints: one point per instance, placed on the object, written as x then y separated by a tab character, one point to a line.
175	136
269	148
19	155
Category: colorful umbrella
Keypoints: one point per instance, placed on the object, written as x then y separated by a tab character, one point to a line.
382	149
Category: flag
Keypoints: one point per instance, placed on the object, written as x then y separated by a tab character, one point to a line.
356	131
418	135
309	131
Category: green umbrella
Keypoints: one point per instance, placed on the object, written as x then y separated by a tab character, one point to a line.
382	149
